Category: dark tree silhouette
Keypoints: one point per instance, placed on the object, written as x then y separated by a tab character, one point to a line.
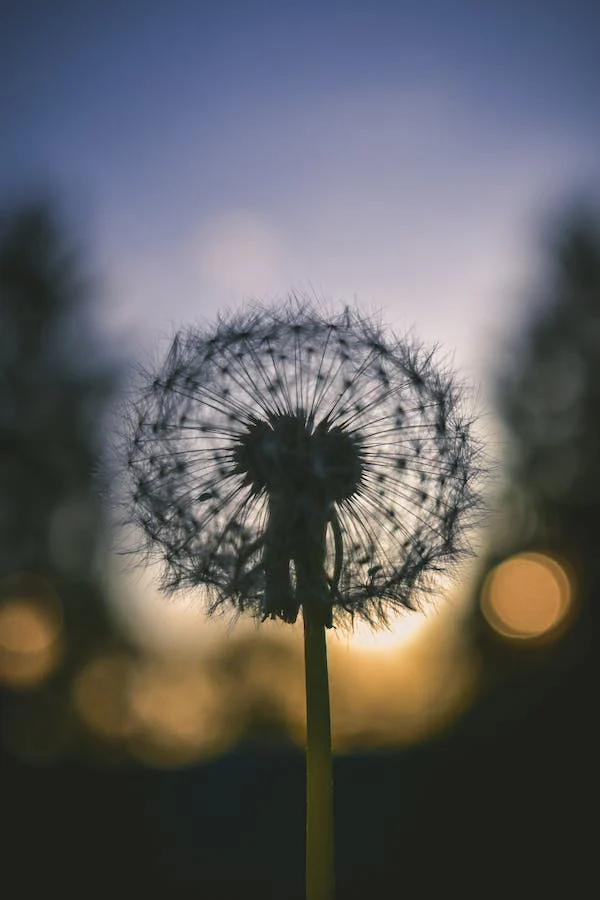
51	403
526	755
53	399
66	821
549	396
54	392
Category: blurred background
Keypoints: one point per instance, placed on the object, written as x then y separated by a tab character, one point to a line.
438	164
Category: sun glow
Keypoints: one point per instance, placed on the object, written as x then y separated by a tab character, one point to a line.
403	630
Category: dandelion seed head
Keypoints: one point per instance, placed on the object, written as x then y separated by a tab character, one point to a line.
287	456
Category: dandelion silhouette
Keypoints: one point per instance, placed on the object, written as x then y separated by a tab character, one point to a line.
289	460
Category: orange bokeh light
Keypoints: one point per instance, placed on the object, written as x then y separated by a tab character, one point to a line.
528	596
177	713
30	630
99	695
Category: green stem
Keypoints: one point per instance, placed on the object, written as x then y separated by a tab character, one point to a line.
319	779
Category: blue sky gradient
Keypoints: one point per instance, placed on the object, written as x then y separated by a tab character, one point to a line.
396	154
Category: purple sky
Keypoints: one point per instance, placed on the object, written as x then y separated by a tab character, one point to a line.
397	154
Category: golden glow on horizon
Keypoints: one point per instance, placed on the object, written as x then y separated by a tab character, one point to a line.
412	690
403	630
172	710
527	596
200	684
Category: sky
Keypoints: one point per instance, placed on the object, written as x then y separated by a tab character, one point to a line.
395	155
398	155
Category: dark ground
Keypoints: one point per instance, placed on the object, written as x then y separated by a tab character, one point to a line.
505	804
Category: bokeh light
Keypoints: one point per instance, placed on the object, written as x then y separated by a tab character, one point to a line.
174	702
30	630
163	711
100	695
172	705
177	713
528	596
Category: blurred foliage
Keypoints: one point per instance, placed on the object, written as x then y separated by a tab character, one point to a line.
548	398
53	401
548	395
54	395
524	758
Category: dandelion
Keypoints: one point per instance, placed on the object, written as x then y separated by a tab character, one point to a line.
292	461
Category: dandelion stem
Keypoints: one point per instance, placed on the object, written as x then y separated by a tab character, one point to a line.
319	779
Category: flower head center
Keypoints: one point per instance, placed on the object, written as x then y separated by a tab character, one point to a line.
288	456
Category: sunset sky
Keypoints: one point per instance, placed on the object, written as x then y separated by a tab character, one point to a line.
399	155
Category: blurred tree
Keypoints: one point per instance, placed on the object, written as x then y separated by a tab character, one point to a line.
54	392
514	783
53	399
549	398
547	394
68	820
47	432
